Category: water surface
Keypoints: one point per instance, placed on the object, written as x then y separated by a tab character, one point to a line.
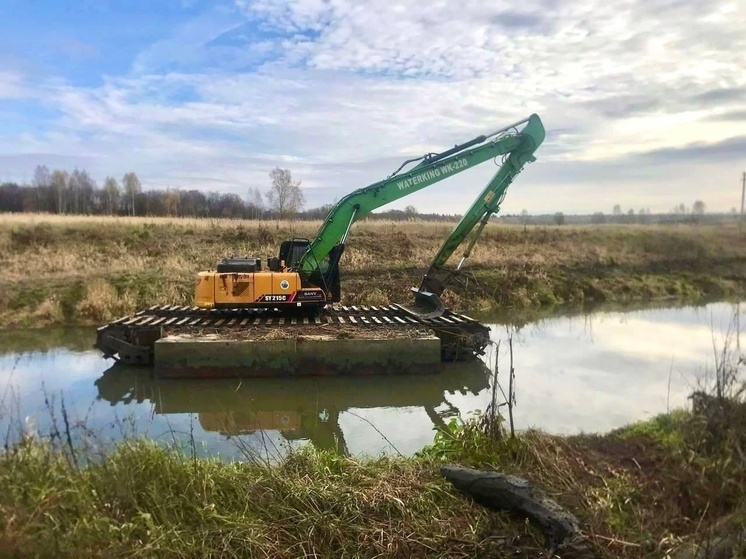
583	373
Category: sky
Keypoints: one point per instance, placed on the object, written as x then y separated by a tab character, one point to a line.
644	101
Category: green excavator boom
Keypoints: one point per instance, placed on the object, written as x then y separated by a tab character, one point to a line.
517	144
477	216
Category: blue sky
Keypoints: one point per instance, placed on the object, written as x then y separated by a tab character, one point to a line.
644	100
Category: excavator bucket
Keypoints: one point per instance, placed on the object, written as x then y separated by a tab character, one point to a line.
427	304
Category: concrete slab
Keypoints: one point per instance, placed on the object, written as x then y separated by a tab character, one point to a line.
216	356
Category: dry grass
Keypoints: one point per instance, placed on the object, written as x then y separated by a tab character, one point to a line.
48	311
640	492
102	303
97	266
298	332
145	501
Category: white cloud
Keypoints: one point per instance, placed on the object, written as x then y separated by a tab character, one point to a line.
11	85
353	87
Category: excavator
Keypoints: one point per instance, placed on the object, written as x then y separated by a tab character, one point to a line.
305	274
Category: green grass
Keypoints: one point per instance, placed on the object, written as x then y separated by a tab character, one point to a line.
635	491
667	430
147	501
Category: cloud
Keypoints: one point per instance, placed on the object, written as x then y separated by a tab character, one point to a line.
341	92
665	99
730	116
721	95
11	85
76	49
732	149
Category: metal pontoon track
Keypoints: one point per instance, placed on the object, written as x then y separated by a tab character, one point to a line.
130	339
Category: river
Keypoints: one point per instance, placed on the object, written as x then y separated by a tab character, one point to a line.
587	372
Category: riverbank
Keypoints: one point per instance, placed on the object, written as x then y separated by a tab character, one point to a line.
87	270
641	491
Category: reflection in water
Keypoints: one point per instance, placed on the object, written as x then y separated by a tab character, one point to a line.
577	373
602	371
25	340
301	408
590	309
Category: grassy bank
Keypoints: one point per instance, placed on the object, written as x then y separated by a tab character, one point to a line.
639	492
87	270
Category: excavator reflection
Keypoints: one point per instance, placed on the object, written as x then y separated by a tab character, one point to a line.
304	408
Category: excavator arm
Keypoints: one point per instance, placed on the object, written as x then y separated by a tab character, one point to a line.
306	273
487	204
518	145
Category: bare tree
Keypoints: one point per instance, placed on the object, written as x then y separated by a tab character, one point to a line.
256	202
410	212
88	188
284	196
59	182
42	182
74	185
598	217
42	177
81	187
132	188
699	208
111	194
171	202
617	210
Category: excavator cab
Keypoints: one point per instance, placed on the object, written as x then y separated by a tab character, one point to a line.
291	252
327	273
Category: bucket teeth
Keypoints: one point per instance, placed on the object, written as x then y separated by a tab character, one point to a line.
427	305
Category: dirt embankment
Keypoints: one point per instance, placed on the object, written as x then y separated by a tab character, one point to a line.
89	270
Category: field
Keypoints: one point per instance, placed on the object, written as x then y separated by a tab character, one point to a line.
85	270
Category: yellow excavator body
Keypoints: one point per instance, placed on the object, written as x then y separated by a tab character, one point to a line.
242	283
237	289
256	289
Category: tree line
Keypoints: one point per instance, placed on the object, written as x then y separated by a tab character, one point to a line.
61	192
680	213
